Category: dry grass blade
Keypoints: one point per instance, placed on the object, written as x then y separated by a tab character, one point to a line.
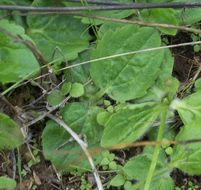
98	150
141	23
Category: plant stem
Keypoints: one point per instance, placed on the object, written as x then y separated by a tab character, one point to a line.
100	93
156	149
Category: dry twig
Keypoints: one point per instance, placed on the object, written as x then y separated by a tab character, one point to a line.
82	145
100	7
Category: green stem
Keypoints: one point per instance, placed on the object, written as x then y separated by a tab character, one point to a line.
100	93
156	149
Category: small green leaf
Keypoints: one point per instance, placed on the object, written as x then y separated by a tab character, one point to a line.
7	183
106	102
113	165
129	123
117	181
10	134
110	109
196	48
104	161
103	117
77	90
55	97
66	87
169	151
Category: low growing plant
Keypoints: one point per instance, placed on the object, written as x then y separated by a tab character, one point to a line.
121	90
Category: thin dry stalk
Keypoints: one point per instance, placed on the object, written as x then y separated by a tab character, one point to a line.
45	114
141	23
82	145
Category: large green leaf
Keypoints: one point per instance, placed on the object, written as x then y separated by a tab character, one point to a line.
127	77
186	157
82	119
129	123
66	33
10	134
16	61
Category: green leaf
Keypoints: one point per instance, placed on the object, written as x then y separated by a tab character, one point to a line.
169	151
7	183
104	28
16	61
164	16
196	48
188	16
60	148
129	123
164	183
117	181
55	97
10	134
138	167
162	158
186	157
79	74
103	117
198	84
77	90
127	77
72	39
165	84
127	185
66	87
189	108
